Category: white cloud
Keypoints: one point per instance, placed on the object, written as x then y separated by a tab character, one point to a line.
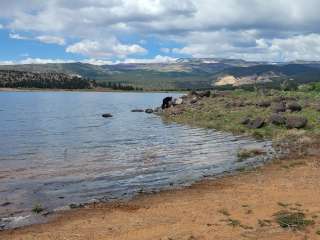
302	47
98	62
44	38
7	62
156	59
1	26
228	28
51	39
17	36
105	48
42	61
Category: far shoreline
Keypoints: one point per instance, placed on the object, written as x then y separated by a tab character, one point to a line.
97	90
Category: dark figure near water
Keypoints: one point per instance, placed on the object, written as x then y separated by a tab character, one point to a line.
166	102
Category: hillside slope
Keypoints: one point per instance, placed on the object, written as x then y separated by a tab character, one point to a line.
20	79
184	73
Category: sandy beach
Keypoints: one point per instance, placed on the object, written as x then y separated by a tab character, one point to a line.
233	207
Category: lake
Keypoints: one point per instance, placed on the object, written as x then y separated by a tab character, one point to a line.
56	149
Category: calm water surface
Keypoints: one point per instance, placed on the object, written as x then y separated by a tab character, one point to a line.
56	149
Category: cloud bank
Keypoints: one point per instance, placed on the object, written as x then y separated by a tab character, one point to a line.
273	30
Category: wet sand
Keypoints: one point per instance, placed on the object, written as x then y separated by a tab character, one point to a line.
232	207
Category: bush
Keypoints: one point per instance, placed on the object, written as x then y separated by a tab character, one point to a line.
37	209
293	220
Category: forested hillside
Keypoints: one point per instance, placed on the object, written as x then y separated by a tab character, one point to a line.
19	79
183	74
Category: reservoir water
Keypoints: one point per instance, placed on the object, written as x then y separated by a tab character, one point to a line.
56	149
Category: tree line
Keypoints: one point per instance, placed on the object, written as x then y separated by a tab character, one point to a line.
118	86
20	79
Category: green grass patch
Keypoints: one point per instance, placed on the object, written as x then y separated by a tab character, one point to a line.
224	212
37	209
293	220
223	113
234	222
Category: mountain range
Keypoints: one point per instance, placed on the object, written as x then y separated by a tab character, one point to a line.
186	73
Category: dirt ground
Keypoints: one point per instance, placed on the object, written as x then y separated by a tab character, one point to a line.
232	207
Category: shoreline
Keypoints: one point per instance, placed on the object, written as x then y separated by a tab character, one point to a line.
244	205
229	207
97	90
46	214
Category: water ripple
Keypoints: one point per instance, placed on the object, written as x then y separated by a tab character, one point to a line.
55	149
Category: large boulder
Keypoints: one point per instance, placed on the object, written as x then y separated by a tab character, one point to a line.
277	119
294	107
194	100
264	104
177	101
256	123
278	99
204	93
107	115
279	107
245	121
296	122
291	98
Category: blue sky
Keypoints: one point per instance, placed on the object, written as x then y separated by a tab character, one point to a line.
112	31
17	47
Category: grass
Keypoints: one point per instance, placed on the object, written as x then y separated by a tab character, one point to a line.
234	222
37	209
264	223
220	113
281	204
224	212
293	220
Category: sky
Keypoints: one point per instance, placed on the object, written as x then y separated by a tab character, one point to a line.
130	31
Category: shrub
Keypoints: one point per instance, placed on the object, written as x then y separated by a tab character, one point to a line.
37	209
293	220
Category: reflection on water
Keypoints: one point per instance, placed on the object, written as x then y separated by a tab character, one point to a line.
55	149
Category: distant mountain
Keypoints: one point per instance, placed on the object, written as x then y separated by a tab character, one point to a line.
186	73
297	73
